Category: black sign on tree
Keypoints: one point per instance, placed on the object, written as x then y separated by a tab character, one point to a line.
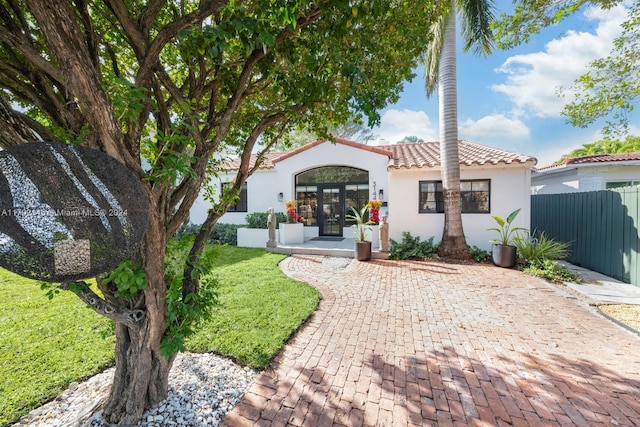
67	212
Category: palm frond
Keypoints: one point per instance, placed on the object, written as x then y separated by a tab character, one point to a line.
432	55
476	19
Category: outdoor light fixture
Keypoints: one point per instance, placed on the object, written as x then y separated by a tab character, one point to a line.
280	197
381	194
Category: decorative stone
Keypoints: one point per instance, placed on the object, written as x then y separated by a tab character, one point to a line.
67	212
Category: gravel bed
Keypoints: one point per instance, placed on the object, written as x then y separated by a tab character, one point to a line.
202	389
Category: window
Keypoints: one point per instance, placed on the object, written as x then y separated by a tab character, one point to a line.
241	204
474	196
620	184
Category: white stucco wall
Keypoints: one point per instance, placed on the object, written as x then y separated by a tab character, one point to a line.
510	190
265	184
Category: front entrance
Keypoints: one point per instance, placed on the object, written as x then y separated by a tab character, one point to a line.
325	195
331	217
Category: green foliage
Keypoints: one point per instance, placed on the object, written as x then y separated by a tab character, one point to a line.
260	308
479	255
129	279
549	269
259	219
225	234
187	230
186	312
612	85
529	17
539	255
504	229
540	247
362	225
412	248
605	146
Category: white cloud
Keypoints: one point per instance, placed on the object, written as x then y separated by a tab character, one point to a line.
397	124
533	79
495	126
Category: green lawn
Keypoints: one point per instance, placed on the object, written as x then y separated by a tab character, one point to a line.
47	344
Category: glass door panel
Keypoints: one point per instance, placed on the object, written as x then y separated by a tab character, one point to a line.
331	216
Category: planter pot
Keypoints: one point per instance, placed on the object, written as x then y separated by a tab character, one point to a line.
363	250
503	255
291	233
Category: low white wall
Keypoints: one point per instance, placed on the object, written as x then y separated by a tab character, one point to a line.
254	237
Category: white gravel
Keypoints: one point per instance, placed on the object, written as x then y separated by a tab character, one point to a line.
202	389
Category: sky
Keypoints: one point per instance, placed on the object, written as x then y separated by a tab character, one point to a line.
509	99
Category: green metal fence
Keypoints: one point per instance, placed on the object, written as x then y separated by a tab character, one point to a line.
601	226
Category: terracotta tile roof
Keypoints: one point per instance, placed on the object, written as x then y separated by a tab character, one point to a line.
594	158
372	148
405	156
267	162
427	155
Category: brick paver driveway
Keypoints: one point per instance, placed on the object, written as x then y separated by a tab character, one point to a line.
398	343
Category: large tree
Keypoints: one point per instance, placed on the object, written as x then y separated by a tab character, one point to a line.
440	73
162	86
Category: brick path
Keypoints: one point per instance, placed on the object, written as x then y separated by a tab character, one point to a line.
399	343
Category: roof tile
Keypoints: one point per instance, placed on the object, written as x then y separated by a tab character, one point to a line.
427	155
406	155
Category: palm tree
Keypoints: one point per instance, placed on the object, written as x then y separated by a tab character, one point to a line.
440	72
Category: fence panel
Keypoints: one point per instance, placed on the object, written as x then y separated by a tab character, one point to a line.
600	226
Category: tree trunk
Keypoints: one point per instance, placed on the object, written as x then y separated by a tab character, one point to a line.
142	374
453	242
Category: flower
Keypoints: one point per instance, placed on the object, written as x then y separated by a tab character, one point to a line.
374	211
292	216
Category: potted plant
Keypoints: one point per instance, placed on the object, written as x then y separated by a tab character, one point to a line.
363	246
503	251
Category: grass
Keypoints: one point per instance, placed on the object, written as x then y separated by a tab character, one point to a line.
260	308
47	344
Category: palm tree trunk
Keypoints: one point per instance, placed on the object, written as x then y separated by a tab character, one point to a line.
453	242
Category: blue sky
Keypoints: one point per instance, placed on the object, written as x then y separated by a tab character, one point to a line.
509	99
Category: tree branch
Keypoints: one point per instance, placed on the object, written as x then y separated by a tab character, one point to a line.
131	318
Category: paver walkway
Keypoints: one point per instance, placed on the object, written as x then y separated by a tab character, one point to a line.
397	343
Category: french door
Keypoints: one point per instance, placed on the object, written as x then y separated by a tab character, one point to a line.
331	216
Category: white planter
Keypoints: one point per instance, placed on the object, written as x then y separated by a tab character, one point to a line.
291	233
253	237
375	237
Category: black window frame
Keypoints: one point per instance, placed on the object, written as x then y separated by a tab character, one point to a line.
242	203
438	198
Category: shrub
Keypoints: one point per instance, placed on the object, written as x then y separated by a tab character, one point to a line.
225	234
541	248
259	219
479	255
550	270
412	248
187	230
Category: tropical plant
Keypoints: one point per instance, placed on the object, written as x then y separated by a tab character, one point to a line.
440	72
504	229
362	225
479	255
413	248
539	247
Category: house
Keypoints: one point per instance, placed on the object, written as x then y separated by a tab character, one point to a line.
328	178
588	173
